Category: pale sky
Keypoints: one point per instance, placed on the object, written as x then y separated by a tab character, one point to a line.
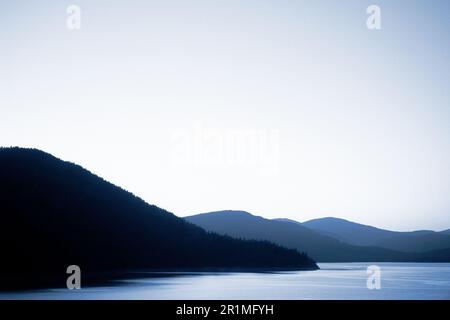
289	109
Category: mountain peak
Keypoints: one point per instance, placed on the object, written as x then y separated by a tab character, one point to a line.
330	219
20	151
230	213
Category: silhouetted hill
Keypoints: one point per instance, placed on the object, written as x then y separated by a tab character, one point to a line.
347	231
416	241
55	214
436	255
359	234
321	247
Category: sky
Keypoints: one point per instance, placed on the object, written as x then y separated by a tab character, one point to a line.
291	109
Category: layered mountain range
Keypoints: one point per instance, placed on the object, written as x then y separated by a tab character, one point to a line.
331	239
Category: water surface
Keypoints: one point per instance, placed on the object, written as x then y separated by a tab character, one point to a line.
333	281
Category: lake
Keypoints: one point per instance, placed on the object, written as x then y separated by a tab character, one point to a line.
333	281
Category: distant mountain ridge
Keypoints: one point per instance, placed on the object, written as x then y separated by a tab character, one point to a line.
54	214
286	220
363	235
347	231
323	244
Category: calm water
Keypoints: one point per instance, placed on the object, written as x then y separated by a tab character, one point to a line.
333	281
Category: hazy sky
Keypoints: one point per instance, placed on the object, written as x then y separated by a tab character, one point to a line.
282	108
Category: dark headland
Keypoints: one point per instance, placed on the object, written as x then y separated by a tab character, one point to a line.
55	214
